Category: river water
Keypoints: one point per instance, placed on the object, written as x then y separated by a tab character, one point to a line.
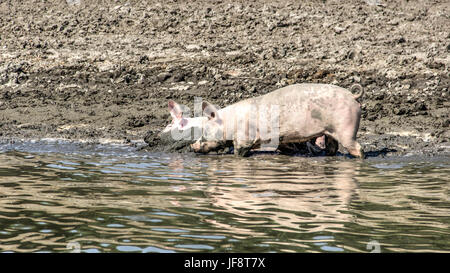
57	196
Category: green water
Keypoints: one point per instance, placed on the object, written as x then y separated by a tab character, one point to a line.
62	197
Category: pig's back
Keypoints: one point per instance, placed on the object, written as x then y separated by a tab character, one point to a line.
307	90
299	97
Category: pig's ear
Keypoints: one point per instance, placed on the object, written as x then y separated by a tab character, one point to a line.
175	110
209	110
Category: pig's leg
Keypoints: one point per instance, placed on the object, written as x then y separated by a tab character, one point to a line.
325	143
288	148
320	142
331	145
348	140
243	148
355	149
345	132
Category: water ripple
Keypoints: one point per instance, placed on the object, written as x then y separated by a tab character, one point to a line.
119	200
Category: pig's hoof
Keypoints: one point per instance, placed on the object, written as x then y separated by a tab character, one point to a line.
360	154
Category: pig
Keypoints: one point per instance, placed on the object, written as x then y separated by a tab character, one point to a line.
180	132
179	122
300	112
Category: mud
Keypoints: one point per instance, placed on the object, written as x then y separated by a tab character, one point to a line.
96	70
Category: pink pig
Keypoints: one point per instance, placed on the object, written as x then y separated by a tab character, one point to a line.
296	113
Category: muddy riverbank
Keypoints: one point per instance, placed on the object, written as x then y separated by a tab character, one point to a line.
104	72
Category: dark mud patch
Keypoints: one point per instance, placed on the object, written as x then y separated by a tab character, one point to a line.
158	142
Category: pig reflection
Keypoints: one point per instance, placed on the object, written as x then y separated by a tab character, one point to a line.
290	194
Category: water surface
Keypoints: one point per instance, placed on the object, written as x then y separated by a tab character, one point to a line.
63	197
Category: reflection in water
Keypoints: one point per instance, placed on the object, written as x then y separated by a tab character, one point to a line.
111	199
300	196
